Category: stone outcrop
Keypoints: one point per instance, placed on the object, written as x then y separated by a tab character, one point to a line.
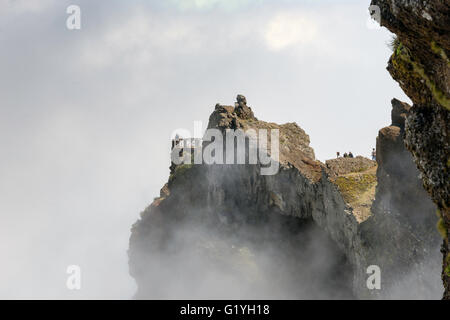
341	166
398	177
356	180
230	217
293	141
420	64
241	109
228	231
404	209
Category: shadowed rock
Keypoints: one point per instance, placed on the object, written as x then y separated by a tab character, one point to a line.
420	64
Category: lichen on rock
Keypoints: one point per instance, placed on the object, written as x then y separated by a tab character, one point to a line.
421	66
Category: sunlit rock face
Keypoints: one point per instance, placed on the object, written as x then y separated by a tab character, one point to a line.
420	63
306	232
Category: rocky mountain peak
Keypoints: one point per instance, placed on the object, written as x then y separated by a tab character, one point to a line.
241	108
294	142
220	220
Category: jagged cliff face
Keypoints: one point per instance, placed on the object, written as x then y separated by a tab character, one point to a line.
229	232
356	180
421	65
226	231
404	210
398	184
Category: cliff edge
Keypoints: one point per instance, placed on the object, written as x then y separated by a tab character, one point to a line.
308	231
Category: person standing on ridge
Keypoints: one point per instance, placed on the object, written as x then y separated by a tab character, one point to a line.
374	154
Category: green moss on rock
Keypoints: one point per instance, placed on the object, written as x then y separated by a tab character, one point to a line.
441	52
409	69
441	228
352	187
180	171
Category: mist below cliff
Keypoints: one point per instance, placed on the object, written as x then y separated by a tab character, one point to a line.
286	258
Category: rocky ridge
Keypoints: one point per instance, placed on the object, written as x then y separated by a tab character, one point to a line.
227	215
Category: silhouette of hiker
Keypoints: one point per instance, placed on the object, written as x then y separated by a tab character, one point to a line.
374	154
345	155
338	154
350	154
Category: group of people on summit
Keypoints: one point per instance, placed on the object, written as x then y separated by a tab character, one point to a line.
350	154
346	155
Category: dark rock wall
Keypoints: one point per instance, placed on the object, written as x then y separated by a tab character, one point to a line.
399	179
420	64
410	250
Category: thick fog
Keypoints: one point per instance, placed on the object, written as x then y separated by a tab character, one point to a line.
86	115
287	258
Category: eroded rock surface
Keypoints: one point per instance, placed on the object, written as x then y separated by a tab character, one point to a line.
420	64
404	210
226	231
356	180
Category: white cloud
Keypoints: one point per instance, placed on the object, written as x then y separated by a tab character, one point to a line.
209	4
141	36
289	29
86	116
19	6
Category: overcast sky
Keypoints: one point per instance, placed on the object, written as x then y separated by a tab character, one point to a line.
86	115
